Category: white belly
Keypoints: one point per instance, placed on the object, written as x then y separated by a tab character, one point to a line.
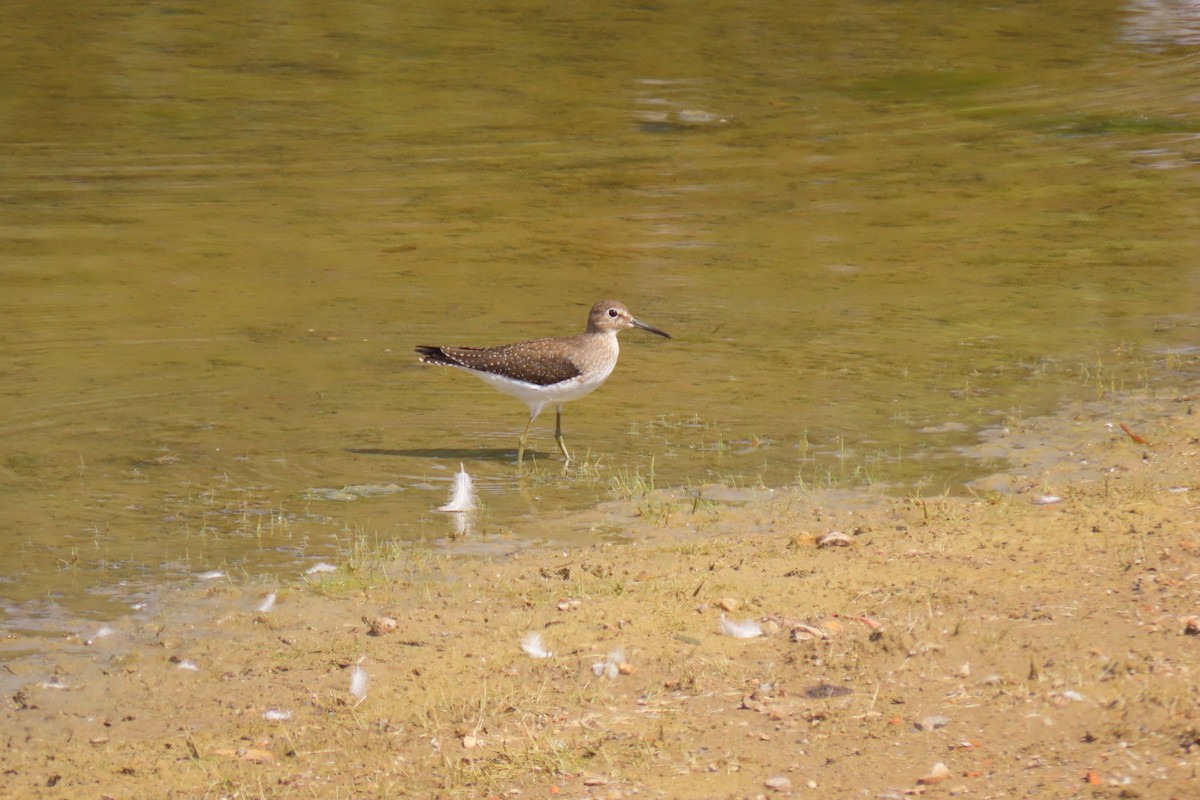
538	397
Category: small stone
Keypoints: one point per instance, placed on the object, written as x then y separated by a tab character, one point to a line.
835	539
802	632
750	704
778	783
381	626
932	723
605	669
937	774
728	604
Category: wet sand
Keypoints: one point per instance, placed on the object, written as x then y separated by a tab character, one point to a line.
1037	639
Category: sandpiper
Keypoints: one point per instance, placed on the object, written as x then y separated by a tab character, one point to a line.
553	371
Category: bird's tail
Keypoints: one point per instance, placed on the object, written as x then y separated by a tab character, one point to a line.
434	355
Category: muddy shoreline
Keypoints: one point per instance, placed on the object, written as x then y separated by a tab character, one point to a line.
1037	639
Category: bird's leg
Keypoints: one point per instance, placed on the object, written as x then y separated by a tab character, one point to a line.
558	437
524	436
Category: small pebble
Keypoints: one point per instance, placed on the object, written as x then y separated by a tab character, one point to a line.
778	783
932	723
381	626
605	669
937	774
835	539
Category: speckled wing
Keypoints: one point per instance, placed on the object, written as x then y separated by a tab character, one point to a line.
541	362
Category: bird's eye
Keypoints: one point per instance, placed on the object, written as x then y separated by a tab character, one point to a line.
612	312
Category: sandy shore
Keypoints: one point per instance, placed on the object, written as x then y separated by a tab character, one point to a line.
1038	639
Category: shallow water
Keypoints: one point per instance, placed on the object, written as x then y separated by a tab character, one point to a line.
873	230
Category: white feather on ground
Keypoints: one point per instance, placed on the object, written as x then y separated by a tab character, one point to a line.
358	680
532	645
462	495
747	629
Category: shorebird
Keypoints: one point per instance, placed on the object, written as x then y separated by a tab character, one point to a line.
552	371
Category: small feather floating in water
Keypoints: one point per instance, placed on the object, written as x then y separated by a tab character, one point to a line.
211	575
358	680
532	645
1047	500
320	567
267	604
746	629
103	631
462	495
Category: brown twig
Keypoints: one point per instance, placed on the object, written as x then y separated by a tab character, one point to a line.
1134	436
